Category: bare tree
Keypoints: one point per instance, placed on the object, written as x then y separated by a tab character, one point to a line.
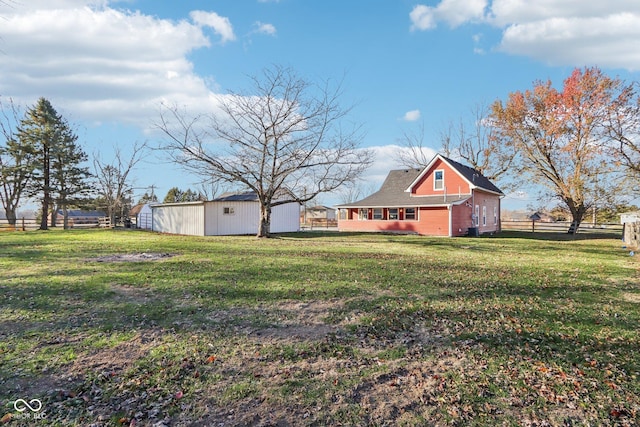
470	141
414	153
478	147
16	163
623	128
284	140
113	184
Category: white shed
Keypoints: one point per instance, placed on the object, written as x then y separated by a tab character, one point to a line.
629	217
179	218
236	214
143	217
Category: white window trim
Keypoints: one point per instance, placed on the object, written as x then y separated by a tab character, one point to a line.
484	216
435	181
495	215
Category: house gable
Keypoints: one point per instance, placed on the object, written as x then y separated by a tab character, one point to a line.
446	176
439	179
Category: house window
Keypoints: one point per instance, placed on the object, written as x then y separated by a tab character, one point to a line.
227	210
378	213
484	215
438	180
476	216
363	214
393	213
410	213
342	213
495	215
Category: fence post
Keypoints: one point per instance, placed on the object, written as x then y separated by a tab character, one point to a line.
23	225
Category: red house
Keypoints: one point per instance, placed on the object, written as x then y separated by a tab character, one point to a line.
446	198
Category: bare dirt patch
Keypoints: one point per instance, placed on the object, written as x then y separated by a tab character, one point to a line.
144	256
287	321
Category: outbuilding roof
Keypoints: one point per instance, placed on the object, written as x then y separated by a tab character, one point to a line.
249	196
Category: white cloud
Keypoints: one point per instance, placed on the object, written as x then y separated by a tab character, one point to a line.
606	41
220	24
99	63
453	12
263	28
422	18
411	116
568	32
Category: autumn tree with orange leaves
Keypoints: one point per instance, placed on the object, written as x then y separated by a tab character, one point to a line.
562	137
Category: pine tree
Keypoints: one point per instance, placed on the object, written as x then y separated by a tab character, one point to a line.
174	195
43	132
69	177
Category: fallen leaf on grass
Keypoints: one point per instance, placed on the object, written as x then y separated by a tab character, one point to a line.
6	418
211	359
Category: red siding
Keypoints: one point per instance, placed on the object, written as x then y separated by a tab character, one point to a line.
453	182
431	222
490	201
461	219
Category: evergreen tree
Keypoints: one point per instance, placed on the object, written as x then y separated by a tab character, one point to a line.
69	177
42	132
148	198
174	195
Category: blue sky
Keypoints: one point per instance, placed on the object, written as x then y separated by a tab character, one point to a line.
106	65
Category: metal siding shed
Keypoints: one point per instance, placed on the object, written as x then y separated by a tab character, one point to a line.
179	218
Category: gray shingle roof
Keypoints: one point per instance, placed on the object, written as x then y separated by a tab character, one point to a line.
393	194
468	173
249	196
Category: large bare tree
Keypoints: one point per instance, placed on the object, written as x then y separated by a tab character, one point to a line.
469	140
112	181
560	136
624	130
285	139
477	146
16	162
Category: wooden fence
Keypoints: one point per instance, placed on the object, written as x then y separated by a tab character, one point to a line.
318	223
28	224
22	224
560	227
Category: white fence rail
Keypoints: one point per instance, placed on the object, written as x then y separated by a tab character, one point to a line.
27	224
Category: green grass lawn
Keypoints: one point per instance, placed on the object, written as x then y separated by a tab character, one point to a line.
318	329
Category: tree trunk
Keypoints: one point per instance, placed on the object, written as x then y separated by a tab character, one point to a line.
46	197
45	212
12	219
577	215
65	217
264	227
54	215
